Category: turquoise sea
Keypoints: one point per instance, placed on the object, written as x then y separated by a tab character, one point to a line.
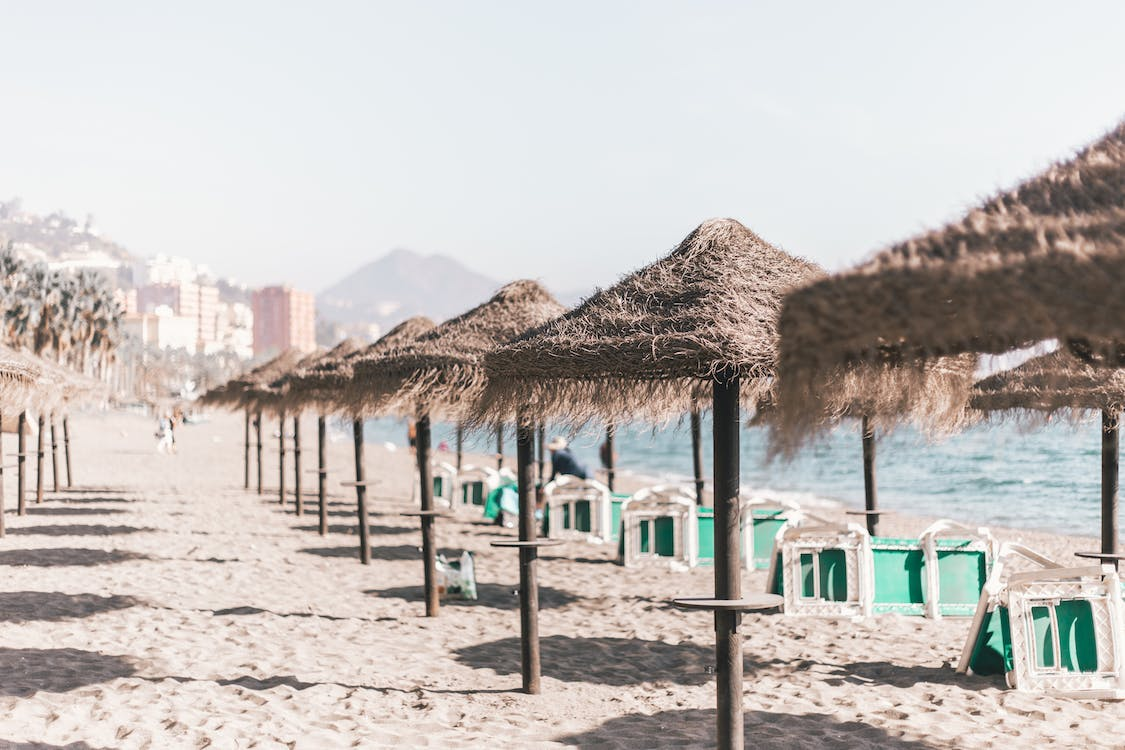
1045	478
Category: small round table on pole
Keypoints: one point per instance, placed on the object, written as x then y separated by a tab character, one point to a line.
1109	557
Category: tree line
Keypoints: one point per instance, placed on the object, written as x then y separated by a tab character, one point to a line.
71	317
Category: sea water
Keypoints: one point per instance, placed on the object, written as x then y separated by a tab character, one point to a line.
1046	478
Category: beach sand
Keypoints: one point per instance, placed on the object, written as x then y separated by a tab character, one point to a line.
171	608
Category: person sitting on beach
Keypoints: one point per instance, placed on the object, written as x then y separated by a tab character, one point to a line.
563	461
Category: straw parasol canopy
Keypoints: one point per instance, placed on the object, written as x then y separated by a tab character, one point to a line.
441	370
1049	384
1043	260
242	392
329	385
648	345
292	400
20	378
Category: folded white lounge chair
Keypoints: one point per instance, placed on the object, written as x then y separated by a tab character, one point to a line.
1052	630
659	527
578	509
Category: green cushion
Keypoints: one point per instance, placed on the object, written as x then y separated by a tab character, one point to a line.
992	653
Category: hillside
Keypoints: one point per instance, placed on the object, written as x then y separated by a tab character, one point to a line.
56	236
404	283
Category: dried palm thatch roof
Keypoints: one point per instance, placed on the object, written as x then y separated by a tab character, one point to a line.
292	398
1055	382
648	345
1043	260
19	378
328	384
242	391
441	370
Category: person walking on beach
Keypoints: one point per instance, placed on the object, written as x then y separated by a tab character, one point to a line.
563	461
412	436
164	434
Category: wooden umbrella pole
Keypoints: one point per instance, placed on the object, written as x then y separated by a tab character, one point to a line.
609	467
54	456
426	487
361	492
281	460
245	452
1	478
258	448
42	425
529	585
321	474
21	464
297	463
728	573
1109	481
499	448
697	454
540	447
66	450
460	443
870	501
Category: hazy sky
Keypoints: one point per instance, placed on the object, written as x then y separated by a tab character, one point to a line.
569	141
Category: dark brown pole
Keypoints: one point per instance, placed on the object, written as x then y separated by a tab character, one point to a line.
540	446
697	454
66	449
361	492
870	502
322	473
21	464
460	442
297	463
728	578
609	468
39	460
54	456
1109	482
281	461
258	448
426	479
1	476
529	586
499	448
245	453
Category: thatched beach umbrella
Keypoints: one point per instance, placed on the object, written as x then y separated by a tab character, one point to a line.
440	374
295	402
330	386
17	383
701	319
251	392
1057	382
1043	260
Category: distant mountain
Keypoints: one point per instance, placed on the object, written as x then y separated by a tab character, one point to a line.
401	284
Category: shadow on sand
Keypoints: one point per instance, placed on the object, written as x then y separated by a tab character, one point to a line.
763	729
48	606
601	660
353	529
13	745
41	510
399	552
77	529
493	595
58	670
89	500
903	676
63	556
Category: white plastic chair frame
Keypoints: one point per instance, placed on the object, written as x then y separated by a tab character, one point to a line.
649	504
980	539
1100	586
563	494
795	541
448	475
488	477
748	503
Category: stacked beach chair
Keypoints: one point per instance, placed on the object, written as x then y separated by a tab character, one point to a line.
1050	629
581	509
833	570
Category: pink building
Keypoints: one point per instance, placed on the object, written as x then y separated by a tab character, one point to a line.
284	318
